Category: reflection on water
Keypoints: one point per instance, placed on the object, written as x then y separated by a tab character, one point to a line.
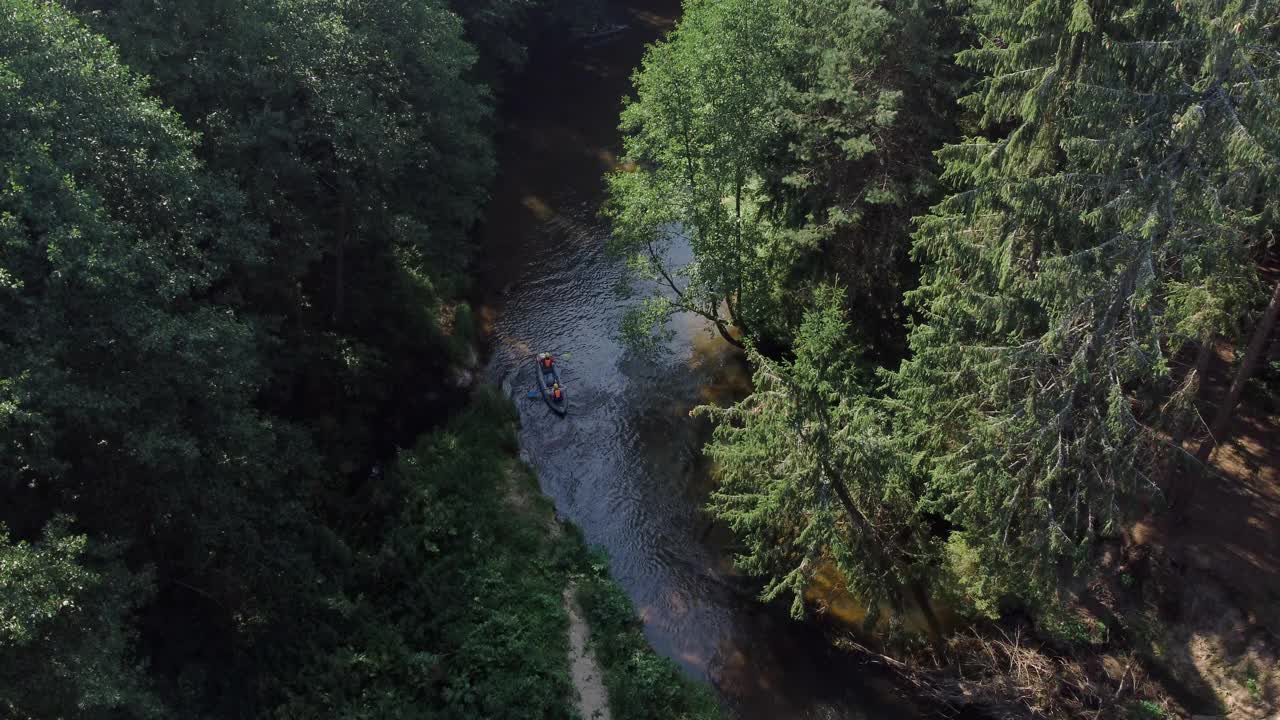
830	595
626	464
827	592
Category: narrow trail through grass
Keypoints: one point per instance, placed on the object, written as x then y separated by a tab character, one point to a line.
588	679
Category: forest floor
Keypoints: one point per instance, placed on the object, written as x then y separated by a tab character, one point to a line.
1227	522
1219	552
1182	619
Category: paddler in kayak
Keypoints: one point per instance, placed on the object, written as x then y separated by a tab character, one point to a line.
547	362
556	392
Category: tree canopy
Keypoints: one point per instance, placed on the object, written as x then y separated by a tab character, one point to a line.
1104	192
218	321
768	138
1105	229
361	143
978	253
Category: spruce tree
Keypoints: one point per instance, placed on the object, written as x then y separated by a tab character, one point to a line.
1101	227
870	96
810	476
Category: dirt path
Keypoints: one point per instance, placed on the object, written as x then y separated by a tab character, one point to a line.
593	699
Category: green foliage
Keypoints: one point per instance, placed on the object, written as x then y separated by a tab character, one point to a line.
1100	228
1147	710
463	616
1145	627
128	384
759	136
131	378
697	134
969	585
644	325
641	685
214	320
490	25
117	364
1250	680
362	146
808	473
1068	628
870	96
466	619
1103	224
208	339
66	640
336	119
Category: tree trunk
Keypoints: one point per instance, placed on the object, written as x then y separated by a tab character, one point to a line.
737	241
1171	472
885	555
1203	357
921	597
729	338
1222	420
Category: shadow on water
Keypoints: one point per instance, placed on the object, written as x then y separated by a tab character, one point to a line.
626	464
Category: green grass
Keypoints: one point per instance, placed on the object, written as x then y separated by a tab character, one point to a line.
641	684
466	617
462	616
1147	710
1251	681
1064	627
1147	633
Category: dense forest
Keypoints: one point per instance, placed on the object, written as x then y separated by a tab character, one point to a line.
981	255
234	241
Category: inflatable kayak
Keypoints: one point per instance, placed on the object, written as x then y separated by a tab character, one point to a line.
546	380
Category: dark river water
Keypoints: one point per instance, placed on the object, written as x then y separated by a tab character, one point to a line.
626	465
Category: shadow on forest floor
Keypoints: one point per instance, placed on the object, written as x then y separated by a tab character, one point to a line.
1219	552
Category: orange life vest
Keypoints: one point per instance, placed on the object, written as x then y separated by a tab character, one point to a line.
556	393
547	362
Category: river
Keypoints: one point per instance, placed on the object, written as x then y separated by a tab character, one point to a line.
626	464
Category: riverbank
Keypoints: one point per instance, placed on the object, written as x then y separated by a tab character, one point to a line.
1179	620
493	567
1175	644
626	466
